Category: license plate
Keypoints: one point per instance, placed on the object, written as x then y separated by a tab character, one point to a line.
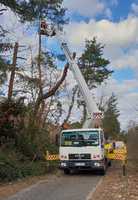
79	164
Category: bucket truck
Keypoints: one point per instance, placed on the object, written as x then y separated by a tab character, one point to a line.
80	149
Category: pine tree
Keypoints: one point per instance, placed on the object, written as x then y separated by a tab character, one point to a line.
111	124
93	67
92	63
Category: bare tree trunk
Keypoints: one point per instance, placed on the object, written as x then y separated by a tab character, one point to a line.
47	111
39	68
12	76
40	109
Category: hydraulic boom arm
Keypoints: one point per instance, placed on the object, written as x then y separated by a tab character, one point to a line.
90	102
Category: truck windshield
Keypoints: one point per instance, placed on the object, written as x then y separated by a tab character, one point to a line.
80	138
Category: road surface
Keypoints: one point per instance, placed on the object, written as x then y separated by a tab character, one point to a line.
62	187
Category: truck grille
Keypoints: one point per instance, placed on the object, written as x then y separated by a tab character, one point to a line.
79	156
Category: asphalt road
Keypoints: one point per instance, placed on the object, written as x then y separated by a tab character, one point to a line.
61	187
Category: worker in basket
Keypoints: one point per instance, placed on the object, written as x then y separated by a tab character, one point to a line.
47	29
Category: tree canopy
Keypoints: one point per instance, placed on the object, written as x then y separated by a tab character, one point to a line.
35	9
92	63
110	122
93	66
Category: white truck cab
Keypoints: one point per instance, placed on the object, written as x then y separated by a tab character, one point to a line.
82	149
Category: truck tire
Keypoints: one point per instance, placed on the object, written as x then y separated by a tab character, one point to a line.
66	171
103	172
109	163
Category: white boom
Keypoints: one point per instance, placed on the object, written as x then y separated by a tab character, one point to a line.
90	102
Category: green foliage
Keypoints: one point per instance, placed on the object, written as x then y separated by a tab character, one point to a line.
76	125
11	114
33	142
25	156
92	63
13	168
14	107
34	9
94	69
49	60
8	166
17	128
111	124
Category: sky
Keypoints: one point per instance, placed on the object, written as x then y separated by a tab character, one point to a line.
115	24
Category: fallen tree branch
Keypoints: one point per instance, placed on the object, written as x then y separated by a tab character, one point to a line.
53	90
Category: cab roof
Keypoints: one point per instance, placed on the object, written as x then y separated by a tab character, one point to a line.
82	129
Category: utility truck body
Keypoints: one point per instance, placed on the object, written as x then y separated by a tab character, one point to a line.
79	148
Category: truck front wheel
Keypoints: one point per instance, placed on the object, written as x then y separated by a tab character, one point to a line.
103	171
66	171
109	163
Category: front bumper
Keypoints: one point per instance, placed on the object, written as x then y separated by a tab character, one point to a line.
82	164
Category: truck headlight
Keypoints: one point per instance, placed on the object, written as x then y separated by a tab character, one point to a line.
97	164
63	164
